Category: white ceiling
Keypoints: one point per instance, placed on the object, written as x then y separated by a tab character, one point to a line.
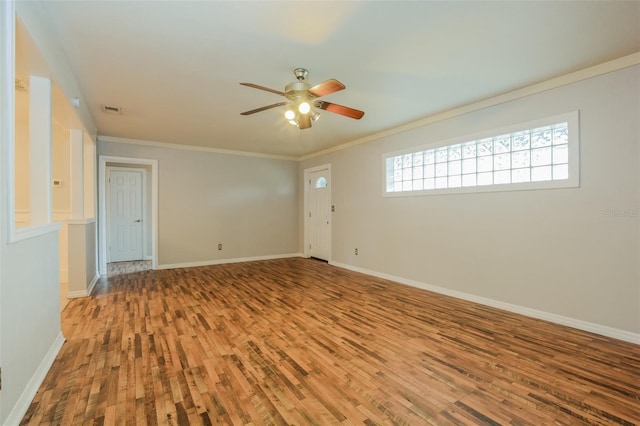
174	66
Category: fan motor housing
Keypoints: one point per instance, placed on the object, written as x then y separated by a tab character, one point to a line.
296	90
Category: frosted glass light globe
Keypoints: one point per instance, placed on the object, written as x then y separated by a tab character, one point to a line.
304	107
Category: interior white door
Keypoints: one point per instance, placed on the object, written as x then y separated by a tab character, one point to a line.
319	224
125	215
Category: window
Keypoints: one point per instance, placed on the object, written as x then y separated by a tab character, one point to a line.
321	182
540	154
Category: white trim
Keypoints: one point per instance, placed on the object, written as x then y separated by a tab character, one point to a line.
24	401
77	294
85	221
84	293
571	118
306	177
224	261
602	330
7	130
92	284
574	77
7	109
21	234
40	149
102	241
193	148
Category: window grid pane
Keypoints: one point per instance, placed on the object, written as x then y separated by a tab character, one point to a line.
534	155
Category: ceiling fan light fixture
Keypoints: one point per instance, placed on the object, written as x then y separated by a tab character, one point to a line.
304	107
289	115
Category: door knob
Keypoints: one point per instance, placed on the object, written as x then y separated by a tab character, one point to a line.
136	221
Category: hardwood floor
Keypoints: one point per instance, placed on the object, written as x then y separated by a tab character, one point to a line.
296	341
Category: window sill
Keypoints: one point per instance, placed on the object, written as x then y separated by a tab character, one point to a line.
21	234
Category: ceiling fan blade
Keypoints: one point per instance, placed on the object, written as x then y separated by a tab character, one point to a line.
253	111
304	121
326	87
340	109
256	86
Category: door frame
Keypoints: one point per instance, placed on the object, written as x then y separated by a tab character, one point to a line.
307	238
143	210
102	206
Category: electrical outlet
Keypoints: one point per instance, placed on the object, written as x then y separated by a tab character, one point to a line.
356	251
219	246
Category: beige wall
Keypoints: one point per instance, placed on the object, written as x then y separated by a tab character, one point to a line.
22	202
30	314
247	204
60	161
82	257
557	251
60	169
61	196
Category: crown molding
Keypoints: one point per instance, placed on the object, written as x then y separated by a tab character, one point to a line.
192	148
553	83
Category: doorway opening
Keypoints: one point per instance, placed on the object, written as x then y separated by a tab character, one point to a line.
128	210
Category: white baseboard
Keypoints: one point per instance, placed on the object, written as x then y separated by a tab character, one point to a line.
92	284
602	330
77	294
84	293
223	261
24	401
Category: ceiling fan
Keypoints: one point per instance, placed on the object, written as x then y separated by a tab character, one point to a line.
302	100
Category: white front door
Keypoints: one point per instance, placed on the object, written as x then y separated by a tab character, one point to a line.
125	215
319	214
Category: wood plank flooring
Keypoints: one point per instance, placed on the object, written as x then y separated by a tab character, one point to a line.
296	341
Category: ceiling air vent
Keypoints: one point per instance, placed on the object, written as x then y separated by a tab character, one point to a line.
21	86
110	109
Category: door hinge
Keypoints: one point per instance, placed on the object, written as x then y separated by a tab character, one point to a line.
309	214
0	378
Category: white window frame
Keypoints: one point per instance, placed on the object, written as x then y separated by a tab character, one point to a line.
573	181
14	234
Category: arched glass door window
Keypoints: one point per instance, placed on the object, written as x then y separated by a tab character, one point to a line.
321	182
